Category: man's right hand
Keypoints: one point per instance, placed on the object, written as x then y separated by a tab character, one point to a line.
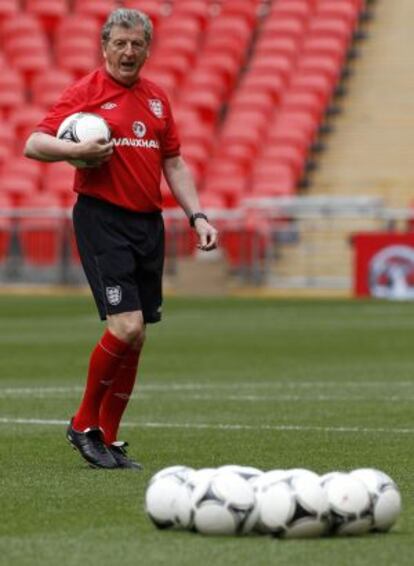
95	152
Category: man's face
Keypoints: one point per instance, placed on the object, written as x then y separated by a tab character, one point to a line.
125	53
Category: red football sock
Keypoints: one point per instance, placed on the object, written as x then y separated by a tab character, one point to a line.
117	396
105	359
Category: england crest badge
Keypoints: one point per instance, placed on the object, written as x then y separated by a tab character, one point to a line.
114	295
156	107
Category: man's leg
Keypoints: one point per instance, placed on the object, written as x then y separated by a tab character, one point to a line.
127	326
104	362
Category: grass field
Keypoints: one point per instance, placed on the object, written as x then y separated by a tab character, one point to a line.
324	385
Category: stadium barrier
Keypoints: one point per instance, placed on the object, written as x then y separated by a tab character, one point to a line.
289	242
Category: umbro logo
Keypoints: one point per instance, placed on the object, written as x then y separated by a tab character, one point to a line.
109	106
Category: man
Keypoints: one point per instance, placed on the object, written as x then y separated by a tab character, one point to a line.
117	220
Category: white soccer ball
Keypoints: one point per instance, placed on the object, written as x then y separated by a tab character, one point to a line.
385	497
83	126
185	513
291	505
350	507
164	494
222	504
246	472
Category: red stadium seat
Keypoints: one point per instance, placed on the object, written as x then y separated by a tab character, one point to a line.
330	28
16	186
153	8
20	25
274	64
294	9
243	9
186	46
339	9
8	8
167	79
28	54
12	89
19	165
24	119
49	85
7	141
303	102
230	26
272	181
244	99
6	224
286	27
330	46
180	25
285	46
77	26
206	104
99	9
317	83
58	181
324	65
50	12
197	9
41	236
76	57
229	189
268	83
175	63
283	154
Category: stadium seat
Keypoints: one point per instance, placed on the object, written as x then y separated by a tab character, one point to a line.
293	9
48	85
24	119
155	9
286	46
325	65
197	9
316	83
6	224
19	165
20	25
50	12
29	55
186	46
268	83
8	8
322	27
206	104
7	141
339	9
58	181
303	101
287	27
77	26
272	64
78	58
12	89
244	99
284	154
242	9
229	189
96	8
16	186
176	63
41	236
187	26
330	46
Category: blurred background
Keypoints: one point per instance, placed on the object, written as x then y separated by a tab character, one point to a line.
295	118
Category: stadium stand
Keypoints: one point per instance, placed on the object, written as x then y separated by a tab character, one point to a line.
251	81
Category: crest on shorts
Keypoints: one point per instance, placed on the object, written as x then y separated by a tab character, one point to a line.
139	129
114	295
156	107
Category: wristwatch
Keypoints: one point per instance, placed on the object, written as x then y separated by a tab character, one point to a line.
194	217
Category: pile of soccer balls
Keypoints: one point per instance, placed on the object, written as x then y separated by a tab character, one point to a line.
284	503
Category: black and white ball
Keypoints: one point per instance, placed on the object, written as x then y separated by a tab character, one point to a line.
350	507
385	497
83	126
291	504
222	504
164	494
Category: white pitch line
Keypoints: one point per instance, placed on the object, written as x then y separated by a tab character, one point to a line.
221	426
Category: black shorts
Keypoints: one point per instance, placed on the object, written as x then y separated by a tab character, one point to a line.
122	254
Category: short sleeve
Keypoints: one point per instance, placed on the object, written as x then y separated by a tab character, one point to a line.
171	141
72	100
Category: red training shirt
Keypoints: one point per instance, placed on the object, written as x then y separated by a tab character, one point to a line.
143	130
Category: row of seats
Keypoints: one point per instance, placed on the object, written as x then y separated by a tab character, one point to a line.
250	83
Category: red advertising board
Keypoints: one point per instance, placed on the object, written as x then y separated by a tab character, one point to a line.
384	265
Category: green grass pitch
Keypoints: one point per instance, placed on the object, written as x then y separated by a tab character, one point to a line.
326	385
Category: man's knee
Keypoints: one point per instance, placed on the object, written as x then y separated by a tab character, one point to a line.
129	327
